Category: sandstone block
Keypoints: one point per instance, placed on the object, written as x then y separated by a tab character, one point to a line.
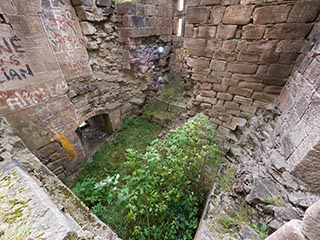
290	46
277	70
238	14
198	63
230	82
240	91
244	77
188	31
264	97
251	85
205	105
87	28
288	58
219	87
311	222
261	190
226	31
126	8
217	65
210	94
269	57
248	109
222	131
253	32
81	2
198	15
104	3
262	46
242	68
272	89
192	43
304	11
313	71
248	57
231	105
217	14
230	2
229	45
288	31
209	2
129	32
241	122
224	96
207	32
226	56
224	117
271	14
291	230
242	100
206	86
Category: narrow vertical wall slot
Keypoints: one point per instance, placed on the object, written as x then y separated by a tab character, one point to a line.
180	5
179	31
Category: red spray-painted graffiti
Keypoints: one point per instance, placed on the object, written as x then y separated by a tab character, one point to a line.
63	33
21	98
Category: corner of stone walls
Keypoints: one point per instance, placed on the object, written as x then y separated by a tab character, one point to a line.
63	203
241	53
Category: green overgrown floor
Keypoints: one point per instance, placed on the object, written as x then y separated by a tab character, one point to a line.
135	132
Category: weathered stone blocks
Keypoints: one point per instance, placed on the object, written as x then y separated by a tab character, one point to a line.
226	31
198	15
253	31
278	70
271	14
245	68
217	14
288	31
238	14
304	11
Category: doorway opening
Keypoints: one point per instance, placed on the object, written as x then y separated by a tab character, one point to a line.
93	132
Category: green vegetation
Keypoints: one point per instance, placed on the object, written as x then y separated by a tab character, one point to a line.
276	200
261	229
157	193
135	133
226	179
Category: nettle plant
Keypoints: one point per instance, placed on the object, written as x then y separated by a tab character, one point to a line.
159	194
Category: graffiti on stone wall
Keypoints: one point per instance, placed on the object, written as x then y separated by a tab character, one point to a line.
22	98
10	60
64	35
66	144
180	58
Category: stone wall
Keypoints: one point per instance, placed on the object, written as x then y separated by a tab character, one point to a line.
35	203
298	127
33	87
241	53
62	63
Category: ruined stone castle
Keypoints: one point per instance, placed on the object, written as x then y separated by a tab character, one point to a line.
252	66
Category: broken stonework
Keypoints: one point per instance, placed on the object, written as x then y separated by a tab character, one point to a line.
34	202
290	231
311	222
262	190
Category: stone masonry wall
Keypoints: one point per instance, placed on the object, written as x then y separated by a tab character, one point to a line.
241	54
62	63
33	89
298	126
123	62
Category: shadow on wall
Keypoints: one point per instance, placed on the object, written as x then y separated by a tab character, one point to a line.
93	132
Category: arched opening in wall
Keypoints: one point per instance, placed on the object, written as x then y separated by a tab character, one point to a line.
93	132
